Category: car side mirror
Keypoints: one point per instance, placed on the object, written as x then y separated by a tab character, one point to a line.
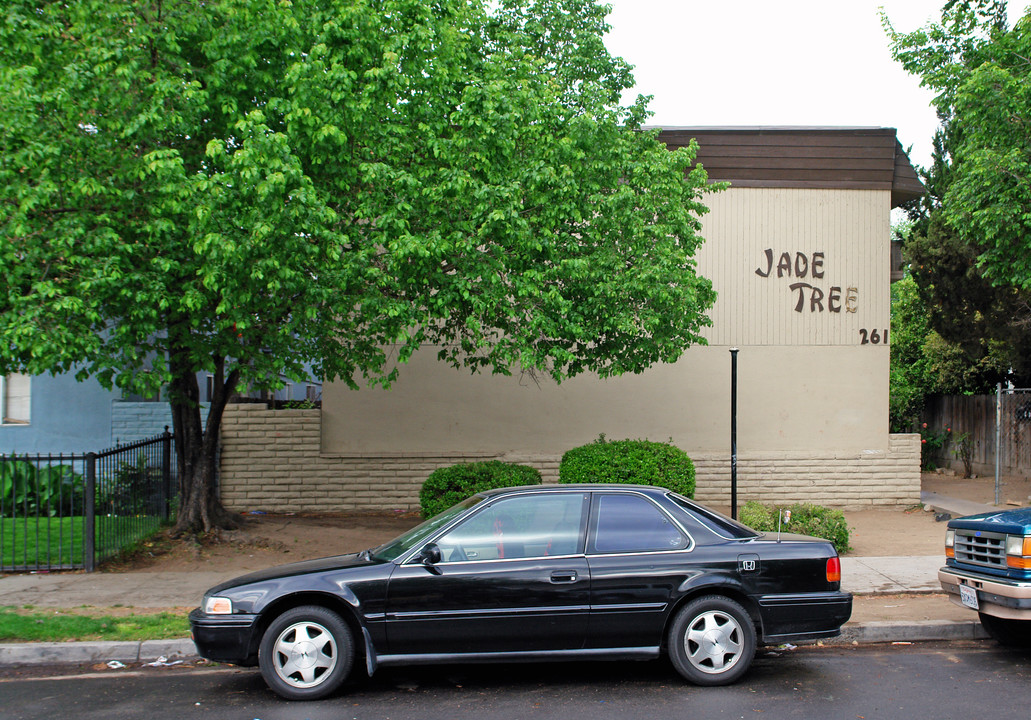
430	555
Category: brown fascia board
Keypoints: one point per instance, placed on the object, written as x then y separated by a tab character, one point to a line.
861	158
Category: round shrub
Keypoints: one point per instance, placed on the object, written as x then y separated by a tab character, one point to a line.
758	516
632	462
449	485
806	519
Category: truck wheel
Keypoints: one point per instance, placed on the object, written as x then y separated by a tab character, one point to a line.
1011	633
306	653
712	641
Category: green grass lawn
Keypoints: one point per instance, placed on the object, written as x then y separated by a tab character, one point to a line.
48	625
57	542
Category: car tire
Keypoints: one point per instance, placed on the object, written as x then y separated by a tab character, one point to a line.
712	641
306	653
1011	633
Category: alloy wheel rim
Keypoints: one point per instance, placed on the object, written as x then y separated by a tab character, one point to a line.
304	654
713	642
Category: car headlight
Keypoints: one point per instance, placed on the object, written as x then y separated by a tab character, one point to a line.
218	606
950	543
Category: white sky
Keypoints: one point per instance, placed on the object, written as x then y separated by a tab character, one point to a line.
786	62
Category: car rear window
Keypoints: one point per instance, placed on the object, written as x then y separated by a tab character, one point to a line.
717	522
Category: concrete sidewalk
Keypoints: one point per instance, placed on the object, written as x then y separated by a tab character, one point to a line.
890	586
860	576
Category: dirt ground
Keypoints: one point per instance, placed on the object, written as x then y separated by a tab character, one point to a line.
1013	490
266	540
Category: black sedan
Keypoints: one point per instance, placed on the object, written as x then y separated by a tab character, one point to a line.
530	574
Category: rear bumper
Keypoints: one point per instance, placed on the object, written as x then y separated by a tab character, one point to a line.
806	616
224	638
995	596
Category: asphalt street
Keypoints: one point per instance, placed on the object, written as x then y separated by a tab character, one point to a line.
930	680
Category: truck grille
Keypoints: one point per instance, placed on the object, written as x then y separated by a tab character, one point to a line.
975	547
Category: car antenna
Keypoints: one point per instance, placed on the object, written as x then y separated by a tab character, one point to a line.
784	515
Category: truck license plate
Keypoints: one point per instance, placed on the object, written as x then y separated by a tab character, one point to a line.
968	596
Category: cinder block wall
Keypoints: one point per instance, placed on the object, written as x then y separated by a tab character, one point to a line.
132	421
272	461
853	481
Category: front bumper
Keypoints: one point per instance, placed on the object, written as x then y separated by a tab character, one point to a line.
995	596
225	638
804	616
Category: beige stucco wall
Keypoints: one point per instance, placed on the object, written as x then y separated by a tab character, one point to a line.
807	380
817	398
812	394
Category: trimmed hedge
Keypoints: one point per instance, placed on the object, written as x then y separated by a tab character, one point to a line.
449	485
806	519
632	462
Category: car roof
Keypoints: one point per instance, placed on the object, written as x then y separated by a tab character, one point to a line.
574	487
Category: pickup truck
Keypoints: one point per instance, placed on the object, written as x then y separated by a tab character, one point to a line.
988	569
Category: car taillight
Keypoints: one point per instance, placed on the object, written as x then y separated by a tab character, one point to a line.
1018	552
950	543
833	569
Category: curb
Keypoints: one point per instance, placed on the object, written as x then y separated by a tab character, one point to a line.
150	650
887	631
57	653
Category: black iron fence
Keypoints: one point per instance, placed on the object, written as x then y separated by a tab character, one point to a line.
62	512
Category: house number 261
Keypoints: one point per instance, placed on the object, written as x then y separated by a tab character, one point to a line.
873	337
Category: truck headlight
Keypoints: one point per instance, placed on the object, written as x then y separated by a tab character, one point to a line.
950	543
1018	552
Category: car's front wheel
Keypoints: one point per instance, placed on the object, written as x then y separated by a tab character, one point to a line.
1011	633
712	641
306	653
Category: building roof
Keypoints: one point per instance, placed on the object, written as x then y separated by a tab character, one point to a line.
862	158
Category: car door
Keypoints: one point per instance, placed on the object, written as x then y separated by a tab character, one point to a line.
637	555
512	577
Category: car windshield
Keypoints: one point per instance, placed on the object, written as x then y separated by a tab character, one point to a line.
717	522
403	543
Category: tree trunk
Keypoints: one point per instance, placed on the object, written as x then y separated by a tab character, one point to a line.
200	508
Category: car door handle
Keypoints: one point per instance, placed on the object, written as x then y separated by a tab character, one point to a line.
563	576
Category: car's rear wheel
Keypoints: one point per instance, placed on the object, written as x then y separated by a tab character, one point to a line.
306	653
712	641
1012	633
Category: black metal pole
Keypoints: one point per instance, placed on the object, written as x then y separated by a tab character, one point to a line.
166	473
733	433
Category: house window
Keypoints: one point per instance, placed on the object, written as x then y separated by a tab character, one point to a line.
15	398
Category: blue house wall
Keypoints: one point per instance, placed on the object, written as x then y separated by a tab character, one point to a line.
67	416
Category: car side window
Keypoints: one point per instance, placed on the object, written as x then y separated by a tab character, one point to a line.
534	526
630	523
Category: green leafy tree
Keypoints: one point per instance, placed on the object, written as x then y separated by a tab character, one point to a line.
980	314
246	187
910	380
924	363
984	322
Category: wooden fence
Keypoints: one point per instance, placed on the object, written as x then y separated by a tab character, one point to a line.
976	415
